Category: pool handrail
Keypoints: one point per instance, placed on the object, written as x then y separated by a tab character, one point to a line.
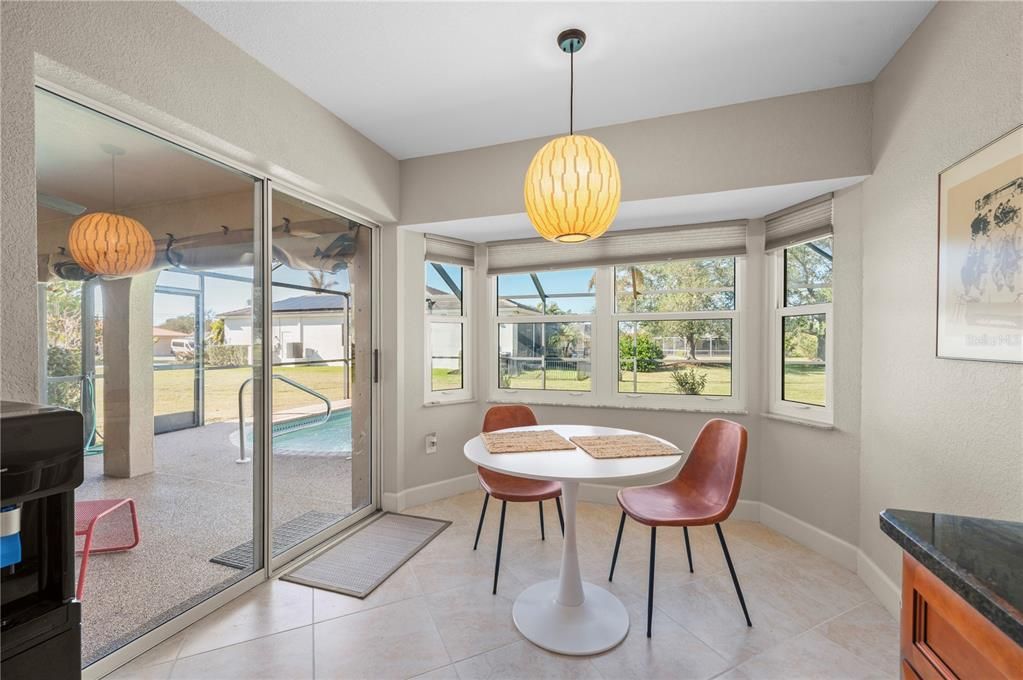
294	383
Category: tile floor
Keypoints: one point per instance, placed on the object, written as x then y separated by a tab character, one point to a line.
436	618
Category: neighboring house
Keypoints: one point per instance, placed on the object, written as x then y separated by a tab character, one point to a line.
305	328
162	338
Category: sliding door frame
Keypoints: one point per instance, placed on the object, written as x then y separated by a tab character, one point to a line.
262	479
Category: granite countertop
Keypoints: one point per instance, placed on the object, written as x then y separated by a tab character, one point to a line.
980	559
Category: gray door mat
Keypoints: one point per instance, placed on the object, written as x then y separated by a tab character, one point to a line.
289	534
364	560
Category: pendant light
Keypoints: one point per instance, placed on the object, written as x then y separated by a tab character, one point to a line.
109	244
572	187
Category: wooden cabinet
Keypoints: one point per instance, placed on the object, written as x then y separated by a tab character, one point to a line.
943	637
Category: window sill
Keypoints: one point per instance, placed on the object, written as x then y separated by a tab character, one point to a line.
449	402
815	424
624	407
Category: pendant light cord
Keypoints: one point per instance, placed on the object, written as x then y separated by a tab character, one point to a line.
571	92
113	184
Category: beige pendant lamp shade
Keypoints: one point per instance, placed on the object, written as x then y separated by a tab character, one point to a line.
572	187
108	244
111	245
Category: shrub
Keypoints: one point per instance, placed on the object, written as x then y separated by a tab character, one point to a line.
648	354
226	355
61	361
689	380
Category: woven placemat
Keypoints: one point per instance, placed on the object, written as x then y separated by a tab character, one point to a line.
624	446
525	441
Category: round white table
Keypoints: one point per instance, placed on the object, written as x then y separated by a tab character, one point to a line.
569	616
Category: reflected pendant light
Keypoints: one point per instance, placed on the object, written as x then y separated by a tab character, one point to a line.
572	185
109	244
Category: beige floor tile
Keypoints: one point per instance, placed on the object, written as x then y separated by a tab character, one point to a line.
165	651
808	657
272	607
401	585
397	641
134	671
869	632
287	655
523	661
709	609
472	620
671	651
442	673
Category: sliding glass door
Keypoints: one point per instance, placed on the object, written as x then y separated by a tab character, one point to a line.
221	357
319	337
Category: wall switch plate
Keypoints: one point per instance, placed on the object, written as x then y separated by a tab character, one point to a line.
431	443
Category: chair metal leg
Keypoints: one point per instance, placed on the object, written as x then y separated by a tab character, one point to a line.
650	587
689	554
500	540
561	516
543	535
735	579
618	544
483	513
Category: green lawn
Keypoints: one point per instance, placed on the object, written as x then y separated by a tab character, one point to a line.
719	380
804	382
173	391
446	379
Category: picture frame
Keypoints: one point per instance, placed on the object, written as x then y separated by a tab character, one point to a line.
980	254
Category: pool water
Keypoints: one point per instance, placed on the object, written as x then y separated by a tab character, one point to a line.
290	437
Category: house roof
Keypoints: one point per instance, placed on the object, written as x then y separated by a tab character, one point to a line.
297	305
168	333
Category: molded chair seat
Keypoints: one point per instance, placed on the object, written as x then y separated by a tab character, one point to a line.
663	505
517	489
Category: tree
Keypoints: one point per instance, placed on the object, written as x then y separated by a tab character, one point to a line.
184	323
320	281
640	351
217	332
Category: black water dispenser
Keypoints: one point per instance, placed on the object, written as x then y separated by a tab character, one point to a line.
41	464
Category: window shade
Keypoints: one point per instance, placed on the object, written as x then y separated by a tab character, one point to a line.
450	251
801	222
720	239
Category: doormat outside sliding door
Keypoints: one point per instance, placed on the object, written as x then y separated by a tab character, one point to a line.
364	560
291	533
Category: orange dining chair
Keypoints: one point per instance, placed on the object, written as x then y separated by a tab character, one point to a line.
704	492
507	488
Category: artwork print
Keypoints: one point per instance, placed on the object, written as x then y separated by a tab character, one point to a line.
980	254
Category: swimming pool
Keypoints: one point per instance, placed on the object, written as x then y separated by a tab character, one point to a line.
298	437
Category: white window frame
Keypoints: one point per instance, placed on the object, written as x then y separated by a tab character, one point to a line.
823	415
604	354
465	393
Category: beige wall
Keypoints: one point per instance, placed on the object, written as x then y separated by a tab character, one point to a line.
937	434
129	55
782	140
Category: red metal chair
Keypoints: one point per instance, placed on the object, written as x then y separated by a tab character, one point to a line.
507	488
87	515
704	492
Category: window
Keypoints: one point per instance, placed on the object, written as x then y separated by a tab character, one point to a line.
801	374
446	308
658	334
552	350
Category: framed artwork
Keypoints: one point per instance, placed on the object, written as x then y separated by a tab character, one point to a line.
980	254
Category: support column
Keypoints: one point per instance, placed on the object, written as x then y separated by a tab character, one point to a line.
128	435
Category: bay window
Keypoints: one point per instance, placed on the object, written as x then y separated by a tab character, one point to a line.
801	365
447	331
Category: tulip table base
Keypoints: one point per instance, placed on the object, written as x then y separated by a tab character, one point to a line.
595	626
569	616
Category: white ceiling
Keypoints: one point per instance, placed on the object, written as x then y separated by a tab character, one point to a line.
656	212
421	78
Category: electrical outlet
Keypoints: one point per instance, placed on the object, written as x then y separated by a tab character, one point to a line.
431	443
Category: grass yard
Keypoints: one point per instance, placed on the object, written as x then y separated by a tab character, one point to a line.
557	379
173	391
719	380
446	379
805	383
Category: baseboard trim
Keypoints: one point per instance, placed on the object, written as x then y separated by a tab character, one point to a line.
883	587
814	538
834	548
